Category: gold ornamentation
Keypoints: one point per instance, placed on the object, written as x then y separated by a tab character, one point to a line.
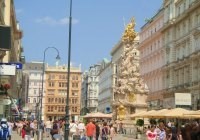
131	97
129	33
121	112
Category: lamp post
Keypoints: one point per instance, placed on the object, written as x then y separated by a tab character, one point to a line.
43	68
68	76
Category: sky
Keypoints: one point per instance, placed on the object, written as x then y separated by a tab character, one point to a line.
97	26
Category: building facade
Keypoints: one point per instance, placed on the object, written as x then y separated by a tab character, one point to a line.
56	92
11	52
151	58
90	91
181	39
33	71
105	87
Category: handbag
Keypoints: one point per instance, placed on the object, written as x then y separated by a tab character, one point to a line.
54	131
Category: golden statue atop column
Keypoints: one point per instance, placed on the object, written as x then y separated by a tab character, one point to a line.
129	33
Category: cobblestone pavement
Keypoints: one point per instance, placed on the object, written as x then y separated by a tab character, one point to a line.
16	136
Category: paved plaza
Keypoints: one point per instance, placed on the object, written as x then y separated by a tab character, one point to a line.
16	136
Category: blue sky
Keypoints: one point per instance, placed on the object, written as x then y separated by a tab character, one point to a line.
97	26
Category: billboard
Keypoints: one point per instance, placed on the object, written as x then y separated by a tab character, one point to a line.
183	99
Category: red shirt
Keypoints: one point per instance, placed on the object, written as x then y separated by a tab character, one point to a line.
90	129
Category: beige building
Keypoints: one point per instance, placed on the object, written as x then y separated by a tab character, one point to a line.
56	92
181	39
10	51
151	58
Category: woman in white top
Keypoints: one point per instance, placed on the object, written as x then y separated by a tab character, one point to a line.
48	126
73	129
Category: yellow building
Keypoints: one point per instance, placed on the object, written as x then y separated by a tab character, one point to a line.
56	92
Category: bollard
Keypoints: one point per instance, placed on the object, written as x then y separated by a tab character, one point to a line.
57	137
40	134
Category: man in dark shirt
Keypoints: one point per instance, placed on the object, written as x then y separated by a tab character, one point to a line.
97	129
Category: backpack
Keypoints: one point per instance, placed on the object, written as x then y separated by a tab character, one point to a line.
4	132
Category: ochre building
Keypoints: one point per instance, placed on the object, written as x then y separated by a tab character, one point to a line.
56	92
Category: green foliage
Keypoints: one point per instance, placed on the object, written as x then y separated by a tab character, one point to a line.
152	121
140	122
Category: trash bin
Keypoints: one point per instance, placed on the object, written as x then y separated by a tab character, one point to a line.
57	137
40	134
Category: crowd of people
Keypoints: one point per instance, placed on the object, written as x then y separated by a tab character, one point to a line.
91	130
172	131
97	130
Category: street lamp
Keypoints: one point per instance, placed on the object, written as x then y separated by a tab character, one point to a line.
43	68
68	76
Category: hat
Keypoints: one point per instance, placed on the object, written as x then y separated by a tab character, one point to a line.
3	120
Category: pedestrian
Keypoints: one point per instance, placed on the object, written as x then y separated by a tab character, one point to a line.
97	129
90	130
151	134
23	132
112	132
48	127
55	129
105	132
32	126
73	129
81	128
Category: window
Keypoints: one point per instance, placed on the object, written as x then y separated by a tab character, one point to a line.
51	91
35	83
35	91
51	84
74	93
34	100
49	108
28	100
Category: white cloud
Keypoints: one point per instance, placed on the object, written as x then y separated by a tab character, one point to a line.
51	21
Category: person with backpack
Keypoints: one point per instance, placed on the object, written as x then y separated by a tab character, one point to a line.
4	130
105	132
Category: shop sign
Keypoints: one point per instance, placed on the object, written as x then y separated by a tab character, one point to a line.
5	101
183	99
7	69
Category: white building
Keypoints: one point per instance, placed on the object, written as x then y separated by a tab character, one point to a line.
105	87
34	71
151	58
181	32
90	89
